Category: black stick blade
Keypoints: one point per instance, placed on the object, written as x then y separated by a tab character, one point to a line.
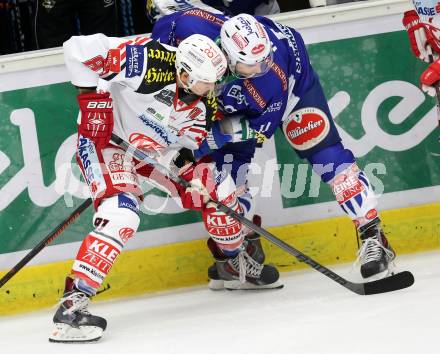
394	282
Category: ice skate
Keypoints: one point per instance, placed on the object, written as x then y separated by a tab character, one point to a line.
73	323
252	243
245	271
375	255
254	249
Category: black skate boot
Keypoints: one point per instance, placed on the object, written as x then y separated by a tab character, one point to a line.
252	243
375	254
72	322
242	272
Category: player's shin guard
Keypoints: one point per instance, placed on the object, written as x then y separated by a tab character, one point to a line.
115	221
239	268
355	196
352	189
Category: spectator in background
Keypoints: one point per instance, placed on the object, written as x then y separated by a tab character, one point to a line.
57	20
155	9
251	7
317	3
288	5
15	26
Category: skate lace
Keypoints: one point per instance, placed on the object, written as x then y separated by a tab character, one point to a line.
80	303
371	250
247	266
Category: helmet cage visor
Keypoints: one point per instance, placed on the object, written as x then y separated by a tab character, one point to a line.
246	71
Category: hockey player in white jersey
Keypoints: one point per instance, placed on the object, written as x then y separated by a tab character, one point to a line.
154	97
423	28
160	100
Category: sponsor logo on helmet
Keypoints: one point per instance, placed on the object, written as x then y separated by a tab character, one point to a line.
306	128
258	49
261	30
239	40
217	60
195	58
246	25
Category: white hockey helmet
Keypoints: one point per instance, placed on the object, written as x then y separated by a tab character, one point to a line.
201	58
245	40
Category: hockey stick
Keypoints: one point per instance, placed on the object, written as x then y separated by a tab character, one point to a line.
394	282
46	241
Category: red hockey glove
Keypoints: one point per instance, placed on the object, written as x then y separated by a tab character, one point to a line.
430	78
96	117
417	34
202	189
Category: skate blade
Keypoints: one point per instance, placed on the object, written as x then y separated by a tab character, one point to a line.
236	285
384	274
216	284
64	333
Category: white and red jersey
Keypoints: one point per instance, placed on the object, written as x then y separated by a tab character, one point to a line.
140	75
429	14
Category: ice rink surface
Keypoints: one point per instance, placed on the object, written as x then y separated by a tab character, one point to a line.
312	314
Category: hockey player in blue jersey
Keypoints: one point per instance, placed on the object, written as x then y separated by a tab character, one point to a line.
272	84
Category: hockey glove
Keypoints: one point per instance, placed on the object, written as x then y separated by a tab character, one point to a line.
213	141
430	78
96	117
202	188
240	129
420	36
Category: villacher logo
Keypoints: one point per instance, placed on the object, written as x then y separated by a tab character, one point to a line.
306	128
